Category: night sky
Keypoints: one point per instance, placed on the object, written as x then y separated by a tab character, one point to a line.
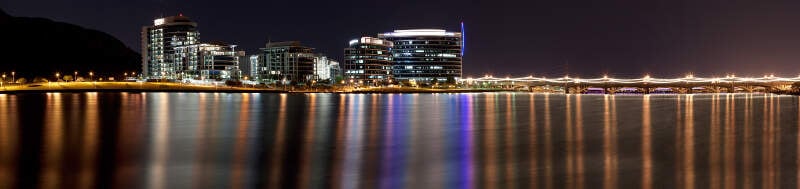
585	38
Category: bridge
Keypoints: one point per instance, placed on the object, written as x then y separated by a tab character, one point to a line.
645	85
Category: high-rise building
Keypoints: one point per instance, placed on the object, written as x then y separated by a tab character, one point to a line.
159	42
425	54
285	61
208	61
325	69
256	71
368	59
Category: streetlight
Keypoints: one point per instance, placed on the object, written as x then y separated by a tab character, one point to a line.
75	76
4	82
13	79
91	76
57	75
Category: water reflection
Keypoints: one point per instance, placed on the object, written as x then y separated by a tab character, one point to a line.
488	140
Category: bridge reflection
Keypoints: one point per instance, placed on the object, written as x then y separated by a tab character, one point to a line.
645	85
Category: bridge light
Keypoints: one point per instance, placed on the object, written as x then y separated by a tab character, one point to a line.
605	76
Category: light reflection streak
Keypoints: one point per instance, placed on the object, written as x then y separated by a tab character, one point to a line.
90	143
54	143
730	142
766	150
130	136
747	156
714	144
387	161
8	140
548	144
509	141
353	144
679	125
570	156
688	147
579	143
609	142
647	158
338	155
239	160
491	178
306	164
534	143
798	140
467	177
370	160
276	165
160	146
203	135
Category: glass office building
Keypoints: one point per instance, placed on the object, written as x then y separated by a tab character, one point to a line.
424	54
284	61
159	42
368	60
208	61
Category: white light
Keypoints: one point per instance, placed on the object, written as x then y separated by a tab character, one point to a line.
419	32
159	21
354	41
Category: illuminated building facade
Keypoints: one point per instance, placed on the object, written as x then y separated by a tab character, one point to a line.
285	61
368	60
159	42
207	61
425	54
325	69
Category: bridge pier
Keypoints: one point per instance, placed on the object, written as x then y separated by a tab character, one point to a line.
610	90
731	89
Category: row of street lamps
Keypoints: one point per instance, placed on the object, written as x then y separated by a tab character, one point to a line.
75	75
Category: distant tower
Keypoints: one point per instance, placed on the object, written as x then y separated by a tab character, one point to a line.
159	42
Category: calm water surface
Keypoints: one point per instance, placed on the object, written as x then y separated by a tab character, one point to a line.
487	140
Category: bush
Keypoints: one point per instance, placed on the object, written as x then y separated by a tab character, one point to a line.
233	83
21	80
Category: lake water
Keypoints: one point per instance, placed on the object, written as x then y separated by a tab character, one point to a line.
482	140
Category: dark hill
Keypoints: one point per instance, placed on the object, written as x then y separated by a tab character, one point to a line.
40	47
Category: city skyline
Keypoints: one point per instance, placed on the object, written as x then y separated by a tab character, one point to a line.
506	38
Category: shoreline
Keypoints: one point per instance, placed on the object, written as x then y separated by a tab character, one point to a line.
139	87
423	91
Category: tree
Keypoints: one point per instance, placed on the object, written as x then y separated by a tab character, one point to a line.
338	79
435	81
451	80
67	78
21	80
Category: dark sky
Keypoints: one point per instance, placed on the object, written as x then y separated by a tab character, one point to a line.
624	38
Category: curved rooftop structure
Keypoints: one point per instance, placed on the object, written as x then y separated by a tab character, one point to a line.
419	32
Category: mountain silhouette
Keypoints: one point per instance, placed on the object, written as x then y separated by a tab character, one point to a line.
38	47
